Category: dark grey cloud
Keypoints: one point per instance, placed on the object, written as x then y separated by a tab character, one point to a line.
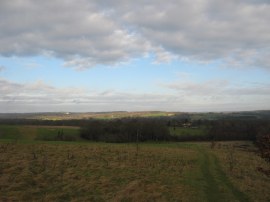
86	33
206	30
203	30
75	31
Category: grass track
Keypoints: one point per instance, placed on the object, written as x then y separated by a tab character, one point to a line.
240	196
211	186
216	184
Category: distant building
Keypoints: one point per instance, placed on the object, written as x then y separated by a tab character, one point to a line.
186	125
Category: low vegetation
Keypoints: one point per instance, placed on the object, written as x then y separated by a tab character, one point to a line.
92	172
61	171
264	146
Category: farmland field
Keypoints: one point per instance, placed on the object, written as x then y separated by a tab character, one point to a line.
181	131
86	171
28	133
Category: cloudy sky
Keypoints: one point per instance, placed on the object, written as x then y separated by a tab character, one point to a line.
178	55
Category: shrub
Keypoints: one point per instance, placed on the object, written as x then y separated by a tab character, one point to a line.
263	143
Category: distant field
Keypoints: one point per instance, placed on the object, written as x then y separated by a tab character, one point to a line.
250	115
21	132
90	115
181	131
51	171
24	132
186	131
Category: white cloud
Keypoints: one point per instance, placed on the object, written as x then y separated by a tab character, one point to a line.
2	68
195	88
86	33
221	95
185	96
220	88
44	97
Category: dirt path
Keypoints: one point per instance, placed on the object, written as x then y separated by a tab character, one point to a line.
216	184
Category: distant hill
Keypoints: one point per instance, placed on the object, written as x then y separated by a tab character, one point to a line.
87	115
246	115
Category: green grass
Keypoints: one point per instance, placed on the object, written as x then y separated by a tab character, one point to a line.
181	131
51	134
9	132
30	133
240	196
217	186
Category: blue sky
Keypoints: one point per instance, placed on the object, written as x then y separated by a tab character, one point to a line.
186	56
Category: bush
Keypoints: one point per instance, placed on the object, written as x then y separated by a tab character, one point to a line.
263	142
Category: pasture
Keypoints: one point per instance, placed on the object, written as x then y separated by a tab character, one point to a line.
30	133
181	131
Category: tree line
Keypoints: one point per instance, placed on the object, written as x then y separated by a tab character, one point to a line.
126	130
237	129
156	129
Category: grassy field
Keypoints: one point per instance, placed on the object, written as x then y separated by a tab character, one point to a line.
83	171
181	131
28	133
90	115
50	133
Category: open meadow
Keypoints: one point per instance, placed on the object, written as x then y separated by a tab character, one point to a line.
36	170
31	132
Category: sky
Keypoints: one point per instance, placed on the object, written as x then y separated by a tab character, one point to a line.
144	55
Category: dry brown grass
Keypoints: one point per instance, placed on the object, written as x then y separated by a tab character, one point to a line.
244	172
32	172
116	172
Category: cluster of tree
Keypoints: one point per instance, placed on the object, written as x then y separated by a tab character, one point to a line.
126	130
236	129
155	129
130	130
